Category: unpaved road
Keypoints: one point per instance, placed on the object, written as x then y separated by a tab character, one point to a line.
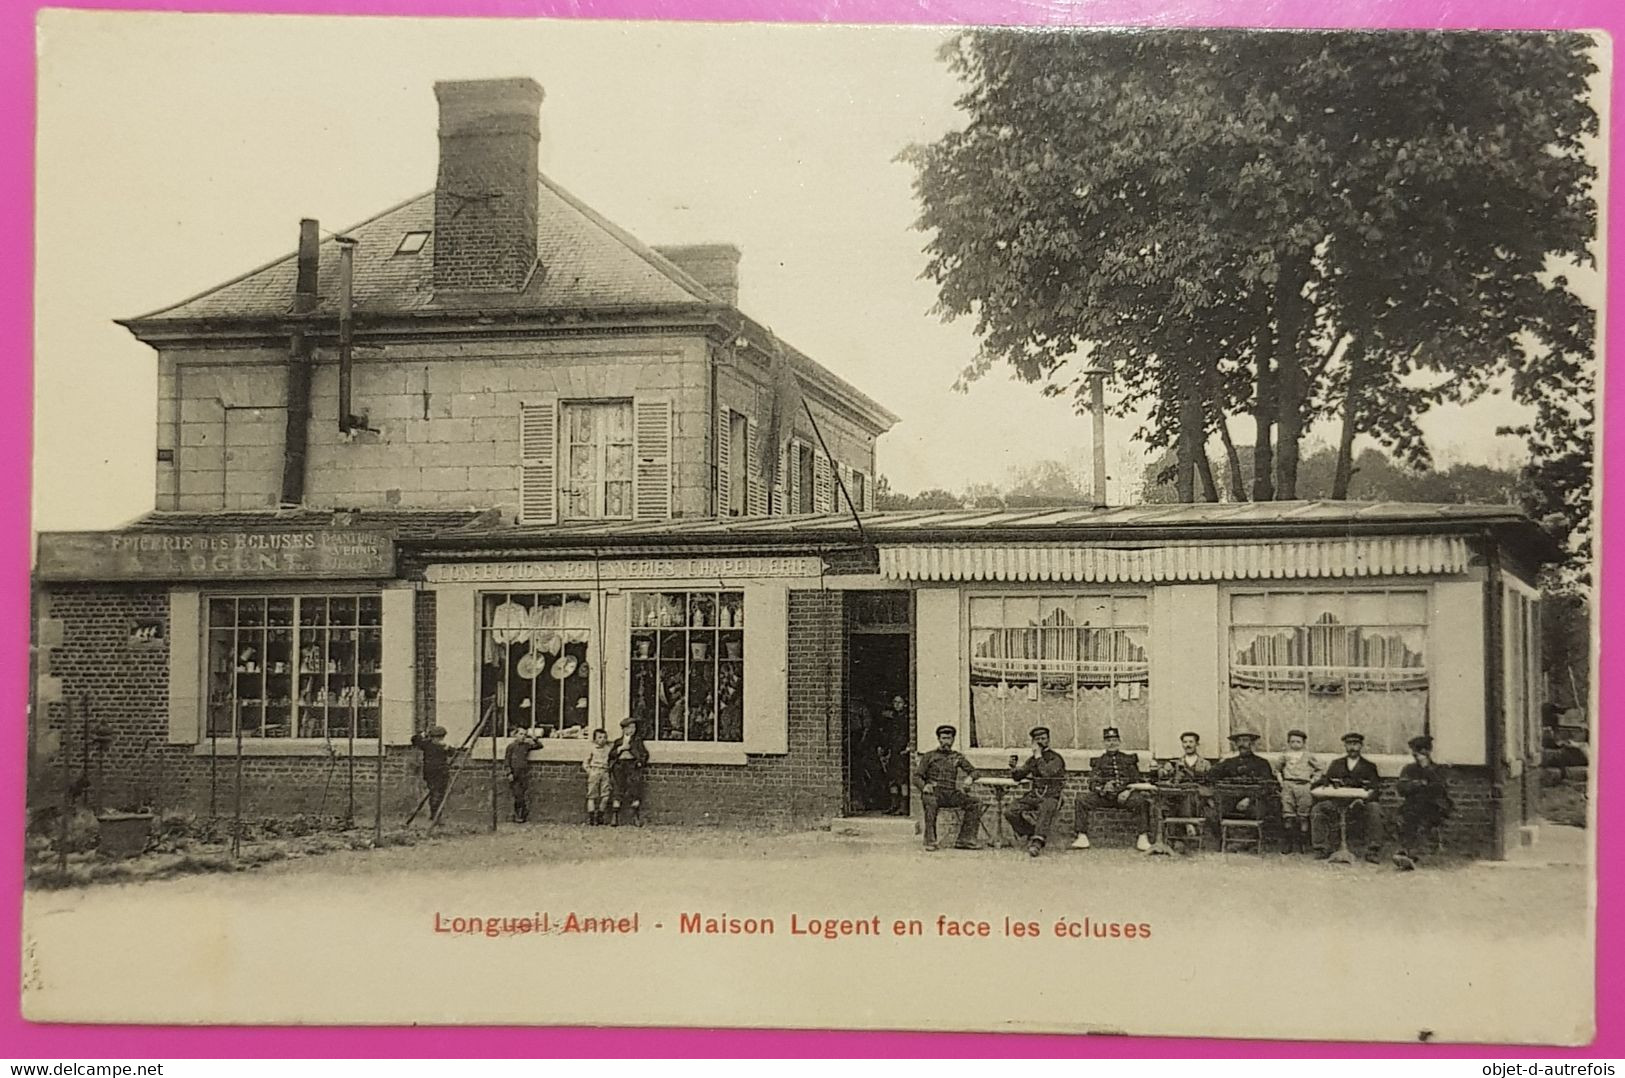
1260	947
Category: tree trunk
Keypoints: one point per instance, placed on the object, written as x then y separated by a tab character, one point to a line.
1263	416
1204	470
1351	405
1232	460
1291	387
1189	445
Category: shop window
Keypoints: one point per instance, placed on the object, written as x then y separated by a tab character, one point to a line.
1074	663
598	459
688	665
1520	644
534	667
1329	662
295	666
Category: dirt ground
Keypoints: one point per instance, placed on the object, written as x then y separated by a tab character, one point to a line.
1238	944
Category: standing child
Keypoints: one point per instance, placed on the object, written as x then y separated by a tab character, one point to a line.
1298	771
436	767
518	760
627	759
596	765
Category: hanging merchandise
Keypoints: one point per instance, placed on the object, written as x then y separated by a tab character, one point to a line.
551	643
564	667
510	623
529	666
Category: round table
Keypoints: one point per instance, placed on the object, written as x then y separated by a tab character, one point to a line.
1345	797
1001	788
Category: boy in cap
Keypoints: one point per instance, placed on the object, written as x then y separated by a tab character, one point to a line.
596	765
1351	771
1425	801
1033	814
436	766
627	759
1299	768
1250	780
1110	775
938	779
518	760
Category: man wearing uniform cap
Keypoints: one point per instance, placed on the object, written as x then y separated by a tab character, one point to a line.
1033	814
1110	776
1351	771
1252	787
1425	802
937	776
436	766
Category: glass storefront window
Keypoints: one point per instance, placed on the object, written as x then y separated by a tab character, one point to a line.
688	665
534	668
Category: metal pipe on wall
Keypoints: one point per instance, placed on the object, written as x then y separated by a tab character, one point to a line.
346	316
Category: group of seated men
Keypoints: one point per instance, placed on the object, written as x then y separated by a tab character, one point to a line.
1242	786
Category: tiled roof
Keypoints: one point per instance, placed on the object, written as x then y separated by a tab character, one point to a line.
587	263
406	523
1121	523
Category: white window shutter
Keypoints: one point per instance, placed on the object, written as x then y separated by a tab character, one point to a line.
538	462
756	499
792	469
823	485
185	667
651	433
724	462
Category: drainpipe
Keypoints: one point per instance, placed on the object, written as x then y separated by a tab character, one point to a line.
346	311
297	432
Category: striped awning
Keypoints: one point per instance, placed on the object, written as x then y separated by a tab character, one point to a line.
1285	560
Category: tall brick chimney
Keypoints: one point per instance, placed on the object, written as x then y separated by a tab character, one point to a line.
714	265
485	195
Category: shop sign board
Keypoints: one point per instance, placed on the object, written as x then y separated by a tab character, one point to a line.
217	555
620	570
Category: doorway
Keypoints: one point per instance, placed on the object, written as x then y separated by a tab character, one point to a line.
878	733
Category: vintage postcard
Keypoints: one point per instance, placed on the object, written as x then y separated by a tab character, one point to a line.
573	523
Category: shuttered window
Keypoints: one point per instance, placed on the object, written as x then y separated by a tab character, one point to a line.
756	503
738	465
597	481
651	424
823	485
724	474
538	469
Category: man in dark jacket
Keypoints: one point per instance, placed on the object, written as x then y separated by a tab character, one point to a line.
627	759
938	779
436	766
1349	771
1110	776
1033	814
518	761
1425	803
1244	786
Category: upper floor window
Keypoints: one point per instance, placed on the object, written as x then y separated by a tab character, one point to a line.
806	480
858	494
738	466
598	459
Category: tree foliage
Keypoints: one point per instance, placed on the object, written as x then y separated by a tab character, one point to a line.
1297	227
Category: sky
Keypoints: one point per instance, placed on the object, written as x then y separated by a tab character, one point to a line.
178	151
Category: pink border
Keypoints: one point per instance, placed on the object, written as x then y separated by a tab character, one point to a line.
16	152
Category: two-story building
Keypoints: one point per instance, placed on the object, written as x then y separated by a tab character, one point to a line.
486	461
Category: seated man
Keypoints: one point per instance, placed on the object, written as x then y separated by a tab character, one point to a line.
1110	775
1189	769
1351	770
938	779
1425	803
1033	814
1244	784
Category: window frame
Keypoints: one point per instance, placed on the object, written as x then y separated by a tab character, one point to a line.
503	690
600	481
1072	594
738	464
1308	590
363	707
650	621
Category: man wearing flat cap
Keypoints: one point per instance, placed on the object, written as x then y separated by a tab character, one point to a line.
1424	802
436	767
1110	776
937	776
1349	771
1033	814
1244	784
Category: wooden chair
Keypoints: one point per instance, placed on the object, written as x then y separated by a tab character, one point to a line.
1184	829
1242	834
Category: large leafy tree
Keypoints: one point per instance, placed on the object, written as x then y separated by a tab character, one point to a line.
1290	226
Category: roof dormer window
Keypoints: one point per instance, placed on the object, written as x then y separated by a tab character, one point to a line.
412	243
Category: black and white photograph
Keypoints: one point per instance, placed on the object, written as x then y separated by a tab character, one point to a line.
573	523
